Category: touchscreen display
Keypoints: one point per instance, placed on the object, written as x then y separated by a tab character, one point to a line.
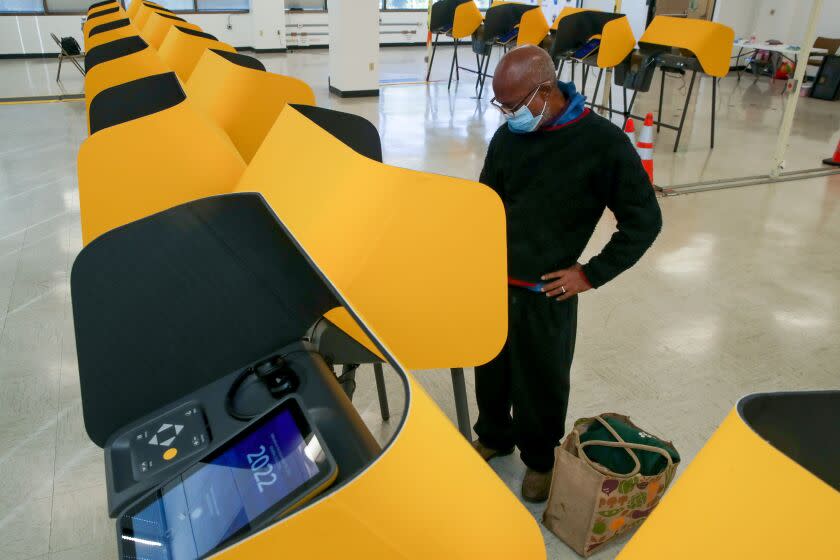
270	466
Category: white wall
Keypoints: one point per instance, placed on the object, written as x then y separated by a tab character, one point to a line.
740	15
784	20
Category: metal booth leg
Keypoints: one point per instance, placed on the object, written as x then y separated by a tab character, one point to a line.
628	109
454	62
380	389
560	68
457	64
459	388
597	86
480	62
714	103
484	72
432	58
584	70
661	95
685	109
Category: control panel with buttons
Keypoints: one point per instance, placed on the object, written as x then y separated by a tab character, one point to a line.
168	439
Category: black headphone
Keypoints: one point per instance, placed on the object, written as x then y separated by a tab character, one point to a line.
275	373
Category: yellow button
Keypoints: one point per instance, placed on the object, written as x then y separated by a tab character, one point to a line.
170	453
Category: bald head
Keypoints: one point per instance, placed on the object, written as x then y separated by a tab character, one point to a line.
520	71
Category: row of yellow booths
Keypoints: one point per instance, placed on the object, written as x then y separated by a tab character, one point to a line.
239	243
670	44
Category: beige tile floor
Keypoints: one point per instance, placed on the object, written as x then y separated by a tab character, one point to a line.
739	294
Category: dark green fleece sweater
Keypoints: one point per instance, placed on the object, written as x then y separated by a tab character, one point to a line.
555	184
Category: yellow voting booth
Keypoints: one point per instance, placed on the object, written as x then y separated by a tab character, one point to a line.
389	241
671	43
574	28
766	485
371	224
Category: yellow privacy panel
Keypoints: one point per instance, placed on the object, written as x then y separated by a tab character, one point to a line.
134	7
181	50
108	36
243	101
466	21
379	234
158	25
409	504
122	70
710	42
144	14
533	28
617	41
132	170
567	11
741	498
101	7
107	18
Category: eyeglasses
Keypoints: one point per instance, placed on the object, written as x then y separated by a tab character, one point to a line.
529	96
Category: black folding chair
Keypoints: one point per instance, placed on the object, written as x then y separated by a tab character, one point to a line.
62	54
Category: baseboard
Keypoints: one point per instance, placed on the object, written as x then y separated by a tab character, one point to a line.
292	48
261	51
354	93
41	98
28	55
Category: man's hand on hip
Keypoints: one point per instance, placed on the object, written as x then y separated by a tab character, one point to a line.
566	283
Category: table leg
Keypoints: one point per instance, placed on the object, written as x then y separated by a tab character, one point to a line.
462	410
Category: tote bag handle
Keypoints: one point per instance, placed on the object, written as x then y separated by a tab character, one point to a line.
620	443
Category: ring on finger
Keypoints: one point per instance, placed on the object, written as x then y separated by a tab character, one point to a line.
562	289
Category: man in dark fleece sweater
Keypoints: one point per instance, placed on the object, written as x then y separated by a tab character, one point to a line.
557	167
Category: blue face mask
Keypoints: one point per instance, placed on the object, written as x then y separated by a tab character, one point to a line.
523	120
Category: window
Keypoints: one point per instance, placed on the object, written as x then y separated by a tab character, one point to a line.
202	5
81	6
405	4
21	6
220	5
317	5
175	5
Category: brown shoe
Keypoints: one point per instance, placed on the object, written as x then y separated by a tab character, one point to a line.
535	486
488	453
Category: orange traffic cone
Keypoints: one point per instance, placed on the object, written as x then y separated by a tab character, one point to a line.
630	131
645	146
836	159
